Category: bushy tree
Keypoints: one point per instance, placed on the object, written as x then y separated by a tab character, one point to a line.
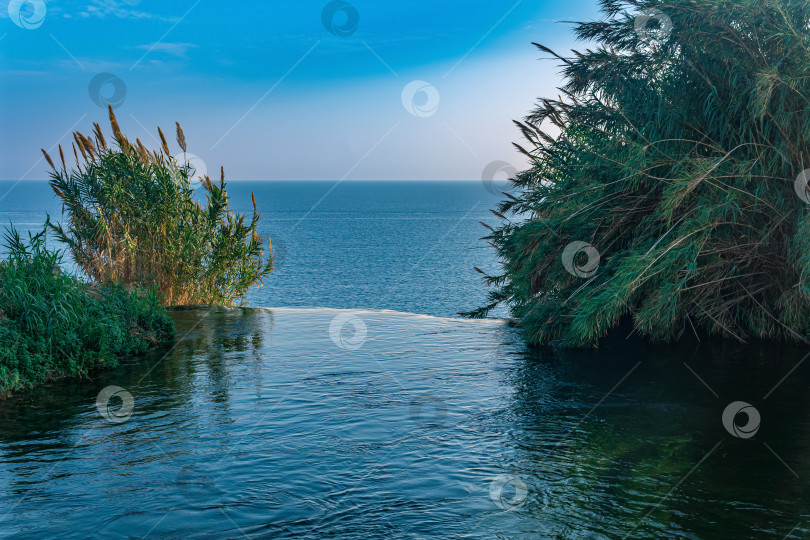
675	194
133	218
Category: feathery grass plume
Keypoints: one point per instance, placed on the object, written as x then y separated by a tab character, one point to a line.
50	162
163	142
205	182
677	161
102	142
181	138
80	144
62	157
133	218
89	148
88	143
143	153
122	141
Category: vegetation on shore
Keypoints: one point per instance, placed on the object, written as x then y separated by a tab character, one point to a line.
136	228
133	218
52	325
675	195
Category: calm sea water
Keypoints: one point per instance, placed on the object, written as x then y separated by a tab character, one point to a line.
405	246
301	422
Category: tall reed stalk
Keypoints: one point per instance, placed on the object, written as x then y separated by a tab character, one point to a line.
132	217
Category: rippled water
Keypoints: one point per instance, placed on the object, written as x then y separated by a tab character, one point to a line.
406	246
322	423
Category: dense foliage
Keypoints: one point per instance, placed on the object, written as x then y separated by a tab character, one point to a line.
674	195
53	325
133	218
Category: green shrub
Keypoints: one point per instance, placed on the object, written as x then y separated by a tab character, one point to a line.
53	325
132	218
679	163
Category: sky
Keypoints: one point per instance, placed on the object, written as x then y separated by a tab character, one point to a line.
284	90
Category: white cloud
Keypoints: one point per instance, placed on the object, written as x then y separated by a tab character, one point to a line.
122	9
175	49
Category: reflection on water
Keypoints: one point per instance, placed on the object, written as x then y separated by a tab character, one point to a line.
261	423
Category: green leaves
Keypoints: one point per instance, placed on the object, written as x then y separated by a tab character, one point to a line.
133	217
676	162
52	325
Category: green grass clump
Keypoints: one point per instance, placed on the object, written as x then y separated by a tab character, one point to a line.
133	217
675	150
52	325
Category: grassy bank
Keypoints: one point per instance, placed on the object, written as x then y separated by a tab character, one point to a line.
52	325
132	223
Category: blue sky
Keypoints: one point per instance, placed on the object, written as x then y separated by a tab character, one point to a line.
265	89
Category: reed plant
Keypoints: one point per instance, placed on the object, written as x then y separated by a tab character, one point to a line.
53	325
677	151
133	217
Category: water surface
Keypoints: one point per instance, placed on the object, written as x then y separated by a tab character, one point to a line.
405	246
285	423
261	423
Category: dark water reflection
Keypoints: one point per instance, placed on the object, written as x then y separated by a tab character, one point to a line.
260	424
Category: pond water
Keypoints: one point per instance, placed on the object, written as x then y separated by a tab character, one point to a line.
316	423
